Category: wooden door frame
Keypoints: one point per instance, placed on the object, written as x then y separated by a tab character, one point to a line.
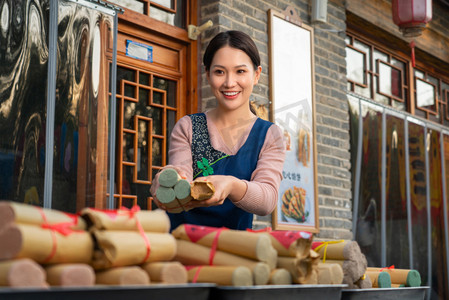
146	24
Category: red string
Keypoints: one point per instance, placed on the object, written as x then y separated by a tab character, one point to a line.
53	236
132	215
213	248
197	274
387	268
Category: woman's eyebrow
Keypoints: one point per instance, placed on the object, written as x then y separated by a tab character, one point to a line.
236	67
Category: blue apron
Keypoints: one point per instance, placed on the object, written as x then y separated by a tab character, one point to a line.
241	166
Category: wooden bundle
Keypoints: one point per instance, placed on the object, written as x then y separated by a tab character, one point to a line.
22	273
174	191
70	275
46	246
349	256
126	248
13	212
330	273
131	275
379	279
303	270
405	277
238	242
221	275
170	272
280	276
189	253
291	243
123	219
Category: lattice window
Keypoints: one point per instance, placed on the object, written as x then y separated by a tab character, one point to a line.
380	75
146	112
168	11
376	74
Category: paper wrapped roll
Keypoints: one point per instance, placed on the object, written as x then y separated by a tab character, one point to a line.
242	243
170	272
126	248
330	273
45	245
121	219
22	273
352	270
379	279
338	250
407	277
201	190
291	243
301	269
221	275
189	253
132	275
13	212
280	276
182	189
70	275
168	177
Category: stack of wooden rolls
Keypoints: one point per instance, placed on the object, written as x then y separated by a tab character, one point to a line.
224	256
133	247
42	247
348	255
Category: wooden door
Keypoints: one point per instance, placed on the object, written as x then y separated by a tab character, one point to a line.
151	97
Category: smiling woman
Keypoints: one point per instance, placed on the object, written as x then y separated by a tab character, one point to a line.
244	153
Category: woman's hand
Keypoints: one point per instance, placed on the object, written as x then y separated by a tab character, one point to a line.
155	184
225	187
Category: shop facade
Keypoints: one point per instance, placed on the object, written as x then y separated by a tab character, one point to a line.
381	113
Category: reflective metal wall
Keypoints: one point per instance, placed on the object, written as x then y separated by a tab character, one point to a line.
79	148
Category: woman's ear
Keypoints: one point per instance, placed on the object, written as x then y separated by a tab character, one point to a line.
257	72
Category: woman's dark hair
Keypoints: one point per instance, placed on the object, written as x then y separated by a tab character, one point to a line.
234	39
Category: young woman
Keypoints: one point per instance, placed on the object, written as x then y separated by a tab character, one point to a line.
245	152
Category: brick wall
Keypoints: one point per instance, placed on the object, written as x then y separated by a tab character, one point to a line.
332	119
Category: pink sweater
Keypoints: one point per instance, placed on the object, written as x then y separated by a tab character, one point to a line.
262	190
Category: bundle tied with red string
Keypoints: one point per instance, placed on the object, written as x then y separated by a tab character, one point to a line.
209	248
130	242
348	255
295	255
43	235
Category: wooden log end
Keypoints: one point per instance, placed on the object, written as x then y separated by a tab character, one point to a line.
242	276
413	279
70	275
261	273
168	177
165	194
7	214
280	276
182	189
11	242
23	273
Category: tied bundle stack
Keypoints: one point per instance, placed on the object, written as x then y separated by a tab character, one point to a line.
392	277
227	257
131	245
42	246
348	255
295	255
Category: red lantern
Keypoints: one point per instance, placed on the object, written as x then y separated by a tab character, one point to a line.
412	15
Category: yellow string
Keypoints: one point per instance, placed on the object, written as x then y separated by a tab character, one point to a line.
363	277
325	244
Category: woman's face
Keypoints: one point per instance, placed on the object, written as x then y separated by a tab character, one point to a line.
232	78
